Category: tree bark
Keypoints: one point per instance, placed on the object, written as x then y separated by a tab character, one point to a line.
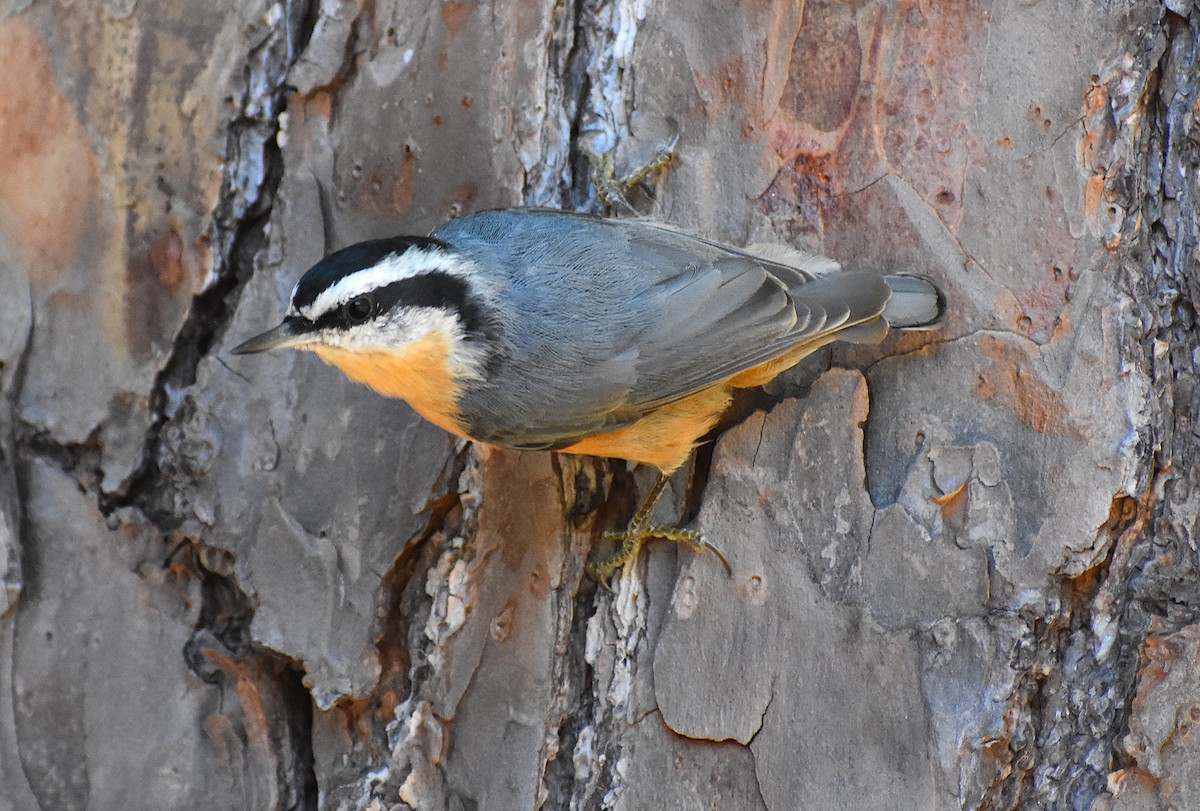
963	562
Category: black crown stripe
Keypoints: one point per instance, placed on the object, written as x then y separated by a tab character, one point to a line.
340	264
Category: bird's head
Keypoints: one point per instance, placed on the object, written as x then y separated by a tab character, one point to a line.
406	315
384	294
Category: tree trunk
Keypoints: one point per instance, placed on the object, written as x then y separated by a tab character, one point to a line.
963	562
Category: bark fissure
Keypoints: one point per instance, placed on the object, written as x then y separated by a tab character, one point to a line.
578	193
257	680
239	233
573	704
261	688
396	760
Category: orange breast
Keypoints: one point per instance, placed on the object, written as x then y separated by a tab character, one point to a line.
419	374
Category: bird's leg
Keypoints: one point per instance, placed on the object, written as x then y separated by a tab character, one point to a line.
640	530
611	189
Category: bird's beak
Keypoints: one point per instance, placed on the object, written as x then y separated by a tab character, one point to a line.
287	334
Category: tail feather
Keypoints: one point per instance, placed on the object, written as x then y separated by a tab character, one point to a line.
916	303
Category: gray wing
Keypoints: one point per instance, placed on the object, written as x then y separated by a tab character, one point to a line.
614	318
738	312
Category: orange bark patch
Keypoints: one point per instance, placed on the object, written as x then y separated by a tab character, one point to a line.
1008	379
155	276
1093	197
166	258
454	16
50	173
402	190
724	86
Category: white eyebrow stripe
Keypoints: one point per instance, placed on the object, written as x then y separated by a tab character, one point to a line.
393	268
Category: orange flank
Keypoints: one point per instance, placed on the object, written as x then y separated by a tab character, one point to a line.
418	373
665	437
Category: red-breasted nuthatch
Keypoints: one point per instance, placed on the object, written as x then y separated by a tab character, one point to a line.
550	330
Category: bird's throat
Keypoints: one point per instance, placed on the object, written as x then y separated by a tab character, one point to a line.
419	373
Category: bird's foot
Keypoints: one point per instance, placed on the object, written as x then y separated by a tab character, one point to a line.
634	537
612	190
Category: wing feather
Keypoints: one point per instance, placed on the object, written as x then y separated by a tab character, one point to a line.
711	351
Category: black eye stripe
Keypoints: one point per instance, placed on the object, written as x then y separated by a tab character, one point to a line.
435	289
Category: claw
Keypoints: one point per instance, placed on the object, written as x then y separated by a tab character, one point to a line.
609	188
639	531
631	543
690	537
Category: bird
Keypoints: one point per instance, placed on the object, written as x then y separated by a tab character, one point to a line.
540	329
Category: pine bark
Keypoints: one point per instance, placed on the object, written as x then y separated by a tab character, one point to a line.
964	562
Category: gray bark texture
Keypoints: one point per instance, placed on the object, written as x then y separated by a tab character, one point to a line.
964	563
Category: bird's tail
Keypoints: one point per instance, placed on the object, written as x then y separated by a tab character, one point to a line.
916	303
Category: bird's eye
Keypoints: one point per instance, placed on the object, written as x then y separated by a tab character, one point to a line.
359	309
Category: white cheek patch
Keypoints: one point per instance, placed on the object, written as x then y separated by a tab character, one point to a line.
394	268
402	326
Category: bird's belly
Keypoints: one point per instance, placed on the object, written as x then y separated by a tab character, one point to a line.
663	438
